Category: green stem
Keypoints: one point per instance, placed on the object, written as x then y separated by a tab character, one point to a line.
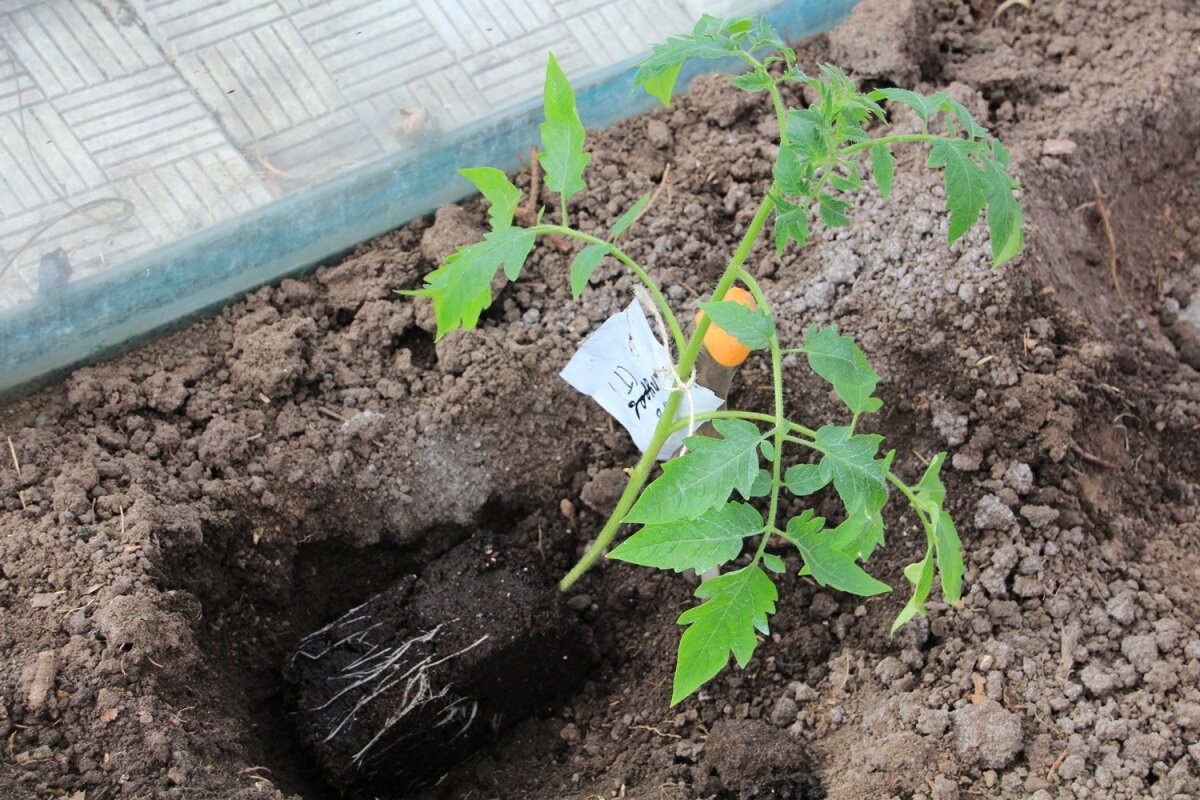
634	267
687	360
899	137
562	204
779	420
751	416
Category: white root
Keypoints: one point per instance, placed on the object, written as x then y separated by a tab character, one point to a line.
381	669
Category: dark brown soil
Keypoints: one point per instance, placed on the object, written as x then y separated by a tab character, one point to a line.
185	514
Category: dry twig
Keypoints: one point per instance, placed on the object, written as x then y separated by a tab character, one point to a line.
1112	239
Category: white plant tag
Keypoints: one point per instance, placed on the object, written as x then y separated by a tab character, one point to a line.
624	368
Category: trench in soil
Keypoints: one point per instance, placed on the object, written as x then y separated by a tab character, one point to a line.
255	613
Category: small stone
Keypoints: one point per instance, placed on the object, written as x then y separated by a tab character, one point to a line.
569	733
1019	478
784	711
966	461
1142	651
992	514
1122	608
43	599
987	734
1098	680
803	692
890	670
1058	147
580	602
658	133
1163	676
1072	767
1027	586
933	722
1039	516
945	789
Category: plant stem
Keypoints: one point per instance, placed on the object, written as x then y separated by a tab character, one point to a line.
779	420
634	267
687	360
899	137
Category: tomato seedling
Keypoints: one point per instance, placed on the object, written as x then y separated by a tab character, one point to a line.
688	516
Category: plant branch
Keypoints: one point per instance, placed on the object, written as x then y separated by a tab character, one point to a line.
634	267
687	360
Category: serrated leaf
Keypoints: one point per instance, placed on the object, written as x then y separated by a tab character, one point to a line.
833	211
562	156
790	175
808	131
583	265
498	190
629	216
920	575
791	224
752	328
849	461
1004	217
903	96
737	605
973	129
462	288
838	360
965	181
753	81
712	539
804	479
703	478
709	39
774	563
883	165
828	565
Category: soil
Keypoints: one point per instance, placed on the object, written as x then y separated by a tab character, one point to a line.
184	515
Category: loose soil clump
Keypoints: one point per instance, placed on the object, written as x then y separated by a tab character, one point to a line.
178	519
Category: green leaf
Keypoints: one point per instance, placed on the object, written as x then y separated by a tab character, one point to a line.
858	535
752	328
903	96
462	288
767	448
882	168
583	265
965	181
1004	218
973	129
838	360
737	605
791	224
713	539
828	565
930	494
774	563
761	486
496	188
662	85
804	479
703	478
790	175
920	575
833	211
849	461
562	156
753	81
629	216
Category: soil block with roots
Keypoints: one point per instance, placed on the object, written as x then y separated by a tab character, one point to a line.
400	690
